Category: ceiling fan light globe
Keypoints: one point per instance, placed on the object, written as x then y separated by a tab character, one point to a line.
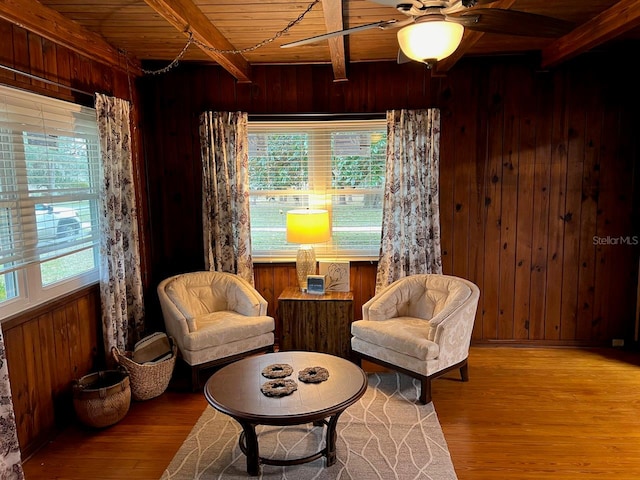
430	39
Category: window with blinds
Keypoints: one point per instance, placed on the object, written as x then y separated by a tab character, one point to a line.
49	181
334	165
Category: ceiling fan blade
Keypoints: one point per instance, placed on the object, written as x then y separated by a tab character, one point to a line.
433	3
473	3
394	3
463	5
512	22
381	24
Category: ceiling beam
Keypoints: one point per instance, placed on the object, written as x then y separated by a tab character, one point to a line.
616	20
185	16
50	24
470	38
333	20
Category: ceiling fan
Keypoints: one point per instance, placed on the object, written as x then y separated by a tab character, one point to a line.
433	29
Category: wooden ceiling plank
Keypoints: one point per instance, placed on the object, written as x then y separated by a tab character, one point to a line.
48	23
616	20
333	20
470	38
185	16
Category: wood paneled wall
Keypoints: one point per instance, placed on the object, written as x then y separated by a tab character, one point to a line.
538	176
46	350
49	347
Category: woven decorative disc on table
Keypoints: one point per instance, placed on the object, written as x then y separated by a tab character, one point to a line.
278	388
313	375
277	370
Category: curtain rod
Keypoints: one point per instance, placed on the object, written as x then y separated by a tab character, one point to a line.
45	80
315	116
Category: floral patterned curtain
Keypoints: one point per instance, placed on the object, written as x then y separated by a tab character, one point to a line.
411	209
225	193
120	277
10	461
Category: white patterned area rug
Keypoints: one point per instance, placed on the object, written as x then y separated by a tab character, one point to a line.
386	435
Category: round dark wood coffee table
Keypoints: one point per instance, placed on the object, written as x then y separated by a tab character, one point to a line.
235	391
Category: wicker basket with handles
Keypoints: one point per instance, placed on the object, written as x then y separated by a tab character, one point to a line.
147	380
102	398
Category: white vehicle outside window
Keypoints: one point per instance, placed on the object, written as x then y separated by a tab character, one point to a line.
56	223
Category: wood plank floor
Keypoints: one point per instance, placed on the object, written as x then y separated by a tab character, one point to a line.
526	413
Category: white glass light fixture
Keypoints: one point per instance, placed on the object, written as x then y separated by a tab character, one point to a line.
306	227
430	38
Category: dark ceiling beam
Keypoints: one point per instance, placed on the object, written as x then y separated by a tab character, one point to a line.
616	20
333	20
186	17
470	38
48	23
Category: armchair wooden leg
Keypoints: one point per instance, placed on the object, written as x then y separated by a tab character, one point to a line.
464	372
425	390
195	378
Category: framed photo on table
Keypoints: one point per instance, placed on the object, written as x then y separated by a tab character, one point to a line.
337	275
316	284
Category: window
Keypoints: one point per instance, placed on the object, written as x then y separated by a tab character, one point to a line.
49	181
334	165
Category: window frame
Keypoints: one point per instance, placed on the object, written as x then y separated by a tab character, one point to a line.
20	201
320	191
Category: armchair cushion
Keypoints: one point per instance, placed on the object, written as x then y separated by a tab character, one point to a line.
226	326
407	335
427	297
199	293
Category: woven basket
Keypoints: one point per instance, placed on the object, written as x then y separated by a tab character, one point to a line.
102	398
147	381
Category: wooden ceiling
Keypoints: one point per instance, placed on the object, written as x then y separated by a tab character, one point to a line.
159	30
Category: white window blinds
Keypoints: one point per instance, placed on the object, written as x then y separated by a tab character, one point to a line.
333	165
49	180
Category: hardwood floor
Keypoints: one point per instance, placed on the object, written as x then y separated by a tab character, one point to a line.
526	413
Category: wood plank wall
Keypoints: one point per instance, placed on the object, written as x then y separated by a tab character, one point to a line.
536	167
46	350
49	347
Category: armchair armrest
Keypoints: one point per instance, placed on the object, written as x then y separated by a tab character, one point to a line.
451	329
175	321
380	308
245	299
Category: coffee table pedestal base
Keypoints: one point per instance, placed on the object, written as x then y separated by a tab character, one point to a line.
248	443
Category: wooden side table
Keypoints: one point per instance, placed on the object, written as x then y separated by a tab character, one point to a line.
316	323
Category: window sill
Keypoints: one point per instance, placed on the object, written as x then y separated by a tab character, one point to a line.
267	261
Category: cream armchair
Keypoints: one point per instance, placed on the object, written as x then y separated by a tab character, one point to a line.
420	325
215	318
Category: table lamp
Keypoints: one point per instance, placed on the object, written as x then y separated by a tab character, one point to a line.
306	226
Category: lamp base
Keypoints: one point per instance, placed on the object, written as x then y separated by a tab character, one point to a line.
305	265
